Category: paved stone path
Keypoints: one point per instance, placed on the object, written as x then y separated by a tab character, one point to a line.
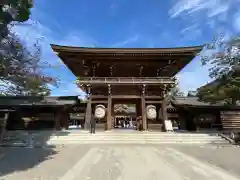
114	162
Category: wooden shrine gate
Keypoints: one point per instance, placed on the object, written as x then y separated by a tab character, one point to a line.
126	75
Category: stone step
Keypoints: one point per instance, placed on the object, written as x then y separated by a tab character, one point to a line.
133	139
127	138
122	138
136	138
129	135
133	134
133	142
119	137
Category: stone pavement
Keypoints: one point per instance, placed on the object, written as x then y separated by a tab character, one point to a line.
120	162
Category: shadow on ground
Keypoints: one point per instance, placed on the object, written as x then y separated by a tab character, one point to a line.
22	150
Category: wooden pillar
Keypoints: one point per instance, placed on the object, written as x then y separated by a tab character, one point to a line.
3	123
138	109
143	105
65	117
88	114
164	108
61	118
144	118
109	109
158	112
57	118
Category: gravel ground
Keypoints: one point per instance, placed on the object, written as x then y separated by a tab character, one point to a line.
38	163
120	162
225	157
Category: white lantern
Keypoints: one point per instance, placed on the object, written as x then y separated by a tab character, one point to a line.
151	112
100	111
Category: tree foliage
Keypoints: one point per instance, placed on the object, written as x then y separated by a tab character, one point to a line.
225	70
192	94
13	11
21	71
175	91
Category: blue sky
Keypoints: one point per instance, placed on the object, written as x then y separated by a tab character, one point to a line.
125	23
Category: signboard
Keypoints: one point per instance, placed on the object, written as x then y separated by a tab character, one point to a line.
230	120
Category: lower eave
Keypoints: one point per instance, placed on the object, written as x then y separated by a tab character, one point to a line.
37	101
192	49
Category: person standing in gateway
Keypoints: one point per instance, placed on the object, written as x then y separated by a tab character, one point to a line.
93	124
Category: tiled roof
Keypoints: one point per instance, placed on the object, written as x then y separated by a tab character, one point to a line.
189	101
37	101
193	101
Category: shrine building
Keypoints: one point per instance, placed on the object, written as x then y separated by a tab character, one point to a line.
139	76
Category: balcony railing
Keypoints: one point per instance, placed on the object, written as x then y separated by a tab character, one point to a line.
126	80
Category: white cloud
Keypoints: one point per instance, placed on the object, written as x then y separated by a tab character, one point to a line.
76	38
208	12
210	7
189	28
200	13
129	40
113	7
191	32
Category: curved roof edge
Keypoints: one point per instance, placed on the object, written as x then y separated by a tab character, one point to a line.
59	48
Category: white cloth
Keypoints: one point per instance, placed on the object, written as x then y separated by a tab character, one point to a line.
168	125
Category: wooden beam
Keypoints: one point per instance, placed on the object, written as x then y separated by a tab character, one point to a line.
153	97
153	102
126	96
99	102
99	96
126	82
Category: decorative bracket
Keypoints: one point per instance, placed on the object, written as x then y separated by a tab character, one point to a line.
158	70
164	90
88	89
86	70
143	89
94	69
141	71
109	89
111	70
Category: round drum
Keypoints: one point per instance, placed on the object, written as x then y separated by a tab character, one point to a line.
151	112
100	111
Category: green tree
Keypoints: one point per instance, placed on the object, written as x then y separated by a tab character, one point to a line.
175	90
192	94
13	11
225	62
21	70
